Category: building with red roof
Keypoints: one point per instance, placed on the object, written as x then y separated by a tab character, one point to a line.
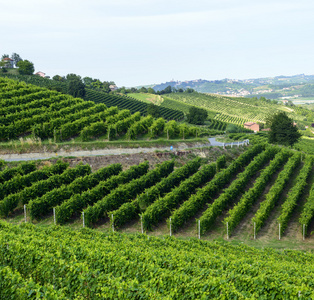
251	125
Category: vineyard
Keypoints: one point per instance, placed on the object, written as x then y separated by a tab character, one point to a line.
239	110
265	184
58	263
254	182
45	114
132	104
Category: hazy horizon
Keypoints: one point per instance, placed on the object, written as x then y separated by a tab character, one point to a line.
146	42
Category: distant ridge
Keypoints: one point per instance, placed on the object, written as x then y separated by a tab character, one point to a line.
278	87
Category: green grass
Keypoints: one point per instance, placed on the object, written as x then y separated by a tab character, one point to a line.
11	71
148	98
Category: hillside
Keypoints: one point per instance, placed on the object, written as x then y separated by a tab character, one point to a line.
57	264
263	186
32	111
280	87
236	110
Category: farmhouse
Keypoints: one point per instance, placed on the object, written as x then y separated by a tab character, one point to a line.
8	62
41	74
251	125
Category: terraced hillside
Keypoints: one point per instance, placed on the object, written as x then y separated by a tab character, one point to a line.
29	109
240	110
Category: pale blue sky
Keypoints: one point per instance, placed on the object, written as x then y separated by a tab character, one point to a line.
142	42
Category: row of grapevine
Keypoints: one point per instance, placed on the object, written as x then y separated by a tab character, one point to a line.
230	110
21	169
217	125
49	129
205	195
42	206
140	127
225	118
90	265
18	183
157	127
295	194
237	213
126	193
74	128
47	83
162	207
275	192
77	202
14	286
41	187
38	100
124	102
17	94
49	114
22	126
130	210
122	126
237	187
307	214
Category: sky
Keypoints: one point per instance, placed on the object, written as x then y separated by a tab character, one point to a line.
143	42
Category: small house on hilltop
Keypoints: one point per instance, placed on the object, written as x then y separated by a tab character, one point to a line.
9	63
41	74
113	87
251	125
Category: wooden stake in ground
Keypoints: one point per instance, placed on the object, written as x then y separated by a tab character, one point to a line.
112	223
25	217
170	228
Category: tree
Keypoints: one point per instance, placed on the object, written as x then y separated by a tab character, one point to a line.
232	128
150	91
196	115
25	67
143	89
282	130
16	58
58	78
167	90
76	87
153	110
4	56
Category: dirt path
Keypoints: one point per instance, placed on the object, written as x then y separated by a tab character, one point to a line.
102	152
106	152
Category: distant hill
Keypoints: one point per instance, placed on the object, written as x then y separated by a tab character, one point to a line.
279	87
